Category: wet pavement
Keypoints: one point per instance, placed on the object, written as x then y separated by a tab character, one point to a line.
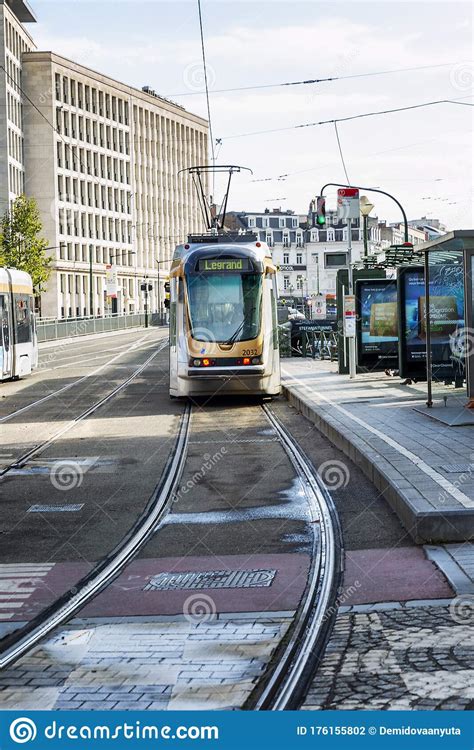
197	618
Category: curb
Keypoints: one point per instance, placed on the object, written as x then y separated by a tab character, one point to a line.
425	524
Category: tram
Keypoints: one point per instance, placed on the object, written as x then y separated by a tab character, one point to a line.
223	319
18	341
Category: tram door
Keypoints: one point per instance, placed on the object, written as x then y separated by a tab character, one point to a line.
6	343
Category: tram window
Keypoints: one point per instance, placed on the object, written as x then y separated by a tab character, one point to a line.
225	306
23	319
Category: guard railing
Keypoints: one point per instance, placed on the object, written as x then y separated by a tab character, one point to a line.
50	329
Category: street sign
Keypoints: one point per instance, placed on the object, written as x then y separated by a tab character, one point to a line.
319	306
349	315
111	281
348	206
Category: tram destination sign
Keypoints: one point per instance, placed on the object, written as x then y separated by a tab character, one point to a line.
223	265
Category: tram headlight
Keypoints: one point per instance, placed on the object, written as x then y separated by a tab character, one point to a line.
256	361
197	363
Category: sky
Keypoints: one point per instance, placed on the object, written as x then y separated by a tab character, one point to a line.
423	156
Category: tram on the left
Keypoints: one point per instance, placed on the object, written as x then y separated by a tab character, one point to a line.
18	339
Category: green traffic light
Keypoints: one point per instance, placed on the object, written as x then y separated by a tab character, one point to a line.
321	220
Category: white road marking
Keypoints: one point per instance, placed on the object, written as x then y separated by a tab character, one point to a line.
466	501
18	581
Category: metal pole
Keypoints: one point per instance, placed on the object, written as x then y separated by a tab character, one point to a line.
91	285
429	363
146	303
365	222
352	362
159	297
373	190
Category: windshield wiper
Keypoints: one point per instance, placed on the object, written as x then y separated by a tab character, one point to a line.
235	334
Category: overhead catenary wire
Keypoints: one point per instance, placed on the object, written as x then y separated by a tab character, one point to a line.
310	81
351	117
340	152
206	84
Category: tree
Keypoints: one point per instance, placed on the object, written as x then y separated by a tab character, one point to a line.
21	244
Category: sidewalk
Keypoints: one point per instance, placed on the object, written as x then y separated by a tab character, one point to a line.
424	467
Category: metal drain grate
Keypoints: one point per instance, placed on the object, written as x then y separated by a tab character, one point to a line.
457	468
55	508
212	579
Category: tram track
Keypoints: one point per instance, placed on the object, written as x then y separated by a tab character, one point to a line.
60	612
42	446
283	684
54	394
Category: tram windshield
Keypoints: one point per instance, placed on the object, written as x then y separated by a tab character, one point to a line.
225	307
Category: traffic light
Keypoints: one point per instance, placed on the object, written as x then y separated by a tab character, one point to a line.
320	211
167	287
167	304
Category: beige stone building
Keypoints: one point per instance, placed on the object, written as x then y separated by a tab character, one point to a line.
14	41
103	160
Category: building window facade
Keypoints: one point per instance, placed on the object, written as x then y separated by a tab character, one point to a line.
335	260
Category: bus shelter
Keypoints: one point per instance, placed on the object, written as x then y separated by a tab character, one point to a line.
448	307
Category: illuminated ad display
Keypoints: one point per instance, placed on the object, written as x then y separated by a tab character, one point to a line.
377	323
447	318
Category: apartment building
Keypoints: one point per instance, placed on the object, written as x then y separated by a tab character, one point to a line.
104	161
308	258
14	41
394	234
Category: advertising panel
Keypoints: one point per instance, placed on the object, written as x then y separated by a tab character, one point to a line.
377	324
349	315
111	281
447	318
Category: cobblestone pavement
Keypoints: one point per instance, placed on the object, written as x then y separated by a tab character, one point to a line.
404	658
145	665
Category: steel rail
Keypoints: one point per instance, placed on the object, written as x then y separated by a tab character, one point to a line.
20	642
286	682
67	387
37	449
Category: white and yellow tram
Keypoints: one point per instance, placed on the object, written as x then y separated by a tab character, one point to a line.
223	321
18	342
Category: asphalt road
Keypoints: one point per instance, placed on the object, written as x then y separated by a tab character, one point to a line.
240	514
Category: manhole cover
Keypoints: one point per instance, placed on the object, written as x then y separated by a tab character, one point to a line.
212	579
457	468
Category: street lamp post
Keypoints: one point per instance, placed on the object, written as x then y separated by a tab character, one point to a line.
159	263
365	208
352	349
373	190
91	286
